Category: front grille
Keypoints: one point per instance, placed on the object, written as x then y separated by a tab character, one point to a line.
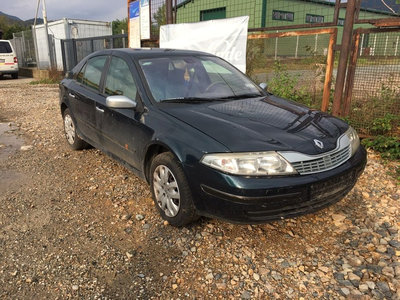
323	163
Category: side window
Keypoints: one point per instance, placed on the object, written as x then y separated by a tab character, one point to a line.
119	79
79	76
93	70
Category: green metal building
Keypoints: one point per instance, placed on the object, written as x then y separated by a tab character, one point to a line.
272	13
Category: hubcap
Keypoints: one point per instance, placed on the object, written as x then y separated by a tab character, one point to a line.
69	129
166	191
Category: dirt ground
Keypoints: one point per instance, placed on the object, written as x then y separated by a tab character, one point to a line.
75	224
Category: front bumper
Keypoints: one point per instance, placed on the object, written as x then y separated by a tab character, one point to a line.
252	200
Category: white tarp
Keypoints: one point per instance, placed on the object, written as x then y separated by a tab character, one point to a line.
226	38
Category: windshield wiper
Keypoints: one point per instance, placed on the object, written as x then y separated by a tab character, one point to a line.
242	96
189	100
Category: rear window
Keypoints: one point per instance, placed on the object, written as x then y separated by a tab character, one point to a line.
5	47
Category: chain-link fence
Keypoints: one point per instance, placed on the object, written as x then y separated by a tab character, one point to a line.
25	48
375	106
294	67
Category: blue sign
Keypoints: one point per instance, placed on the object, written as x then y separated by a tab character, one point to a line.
134	10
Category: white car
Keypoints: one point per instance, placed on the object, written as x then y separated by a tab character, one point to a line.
8	59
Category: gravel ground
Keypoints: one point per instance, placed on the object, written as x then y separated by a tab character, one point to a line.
78	225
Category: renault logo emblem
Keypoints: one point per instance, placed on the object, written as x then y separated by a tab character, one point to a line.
319	144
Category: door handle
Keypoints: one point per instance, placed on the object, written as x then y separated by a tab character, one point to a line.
99	109
71	95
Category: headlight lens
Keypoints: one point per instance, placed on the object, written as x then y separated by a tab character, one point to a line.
354	139
261	163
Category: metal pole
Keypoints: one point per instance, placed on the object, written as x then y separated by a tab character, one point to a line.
397	46
276	47
168	6
373	54
362	43
316	44
46	30
386	44
297	46
348	93
34	36
330	62
344	57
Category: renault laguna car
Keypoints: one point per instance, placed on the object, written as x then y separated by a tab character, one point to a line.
206	138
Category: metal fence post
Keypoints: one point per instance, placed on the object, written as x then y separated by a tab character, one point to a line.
337	109
168	7
64	59
75	52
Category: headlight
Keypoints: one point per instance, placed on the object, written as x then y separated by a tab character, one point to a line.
354	139
260	163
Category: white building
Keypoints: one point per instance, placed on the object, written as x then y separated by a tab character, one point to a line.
66	29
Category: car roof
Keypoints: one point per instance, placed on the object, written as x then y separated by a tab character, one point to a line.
151	52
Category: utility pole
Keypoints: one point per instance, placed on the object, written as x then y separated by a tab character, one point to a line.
46	30
34	36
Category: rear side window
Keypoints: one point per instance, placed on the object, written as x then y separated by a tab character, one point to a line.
93	70
5	47
119	79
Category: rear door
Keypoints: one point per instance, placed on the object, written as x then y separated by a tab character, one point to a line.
83	93
7	56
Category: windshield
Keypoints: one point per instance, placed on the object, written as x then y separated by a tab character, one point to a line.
195	78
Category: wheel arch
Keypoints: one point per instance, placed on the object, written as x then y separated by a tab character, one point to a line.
152	151
63	107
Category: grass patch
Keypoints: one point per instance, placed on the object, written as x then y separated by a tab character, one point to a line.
44	81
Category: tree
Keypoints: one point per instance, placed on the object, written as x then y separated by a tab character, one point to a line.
119	25
9	27
160	16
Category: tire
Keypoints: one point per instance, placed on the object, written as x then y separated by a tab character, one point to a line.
14	76
171	192
75	142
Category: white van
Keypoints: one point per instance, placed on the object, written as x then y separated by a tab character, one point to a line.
8	59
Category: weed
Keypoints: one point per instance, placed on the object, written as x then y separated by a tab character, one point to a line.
44	81
389	147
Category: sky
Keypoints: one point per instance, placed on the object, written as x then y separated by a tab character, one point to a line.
99	10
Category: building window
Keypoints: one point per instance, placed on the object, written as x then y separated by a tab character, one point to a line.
340	22
282	15
314	19
213	14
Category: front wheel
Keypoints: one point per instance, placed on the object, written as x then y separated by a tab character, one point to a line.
73	140
170	190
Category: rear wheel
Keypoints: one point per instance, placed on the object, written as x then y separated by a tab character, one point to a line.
14	75
171	192
73	140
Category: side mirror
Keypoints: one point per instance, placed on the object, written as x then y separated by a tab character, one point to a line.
120	101
264	86
69	75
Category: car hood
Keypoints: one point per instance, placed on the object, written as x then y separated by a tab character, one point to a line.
261	124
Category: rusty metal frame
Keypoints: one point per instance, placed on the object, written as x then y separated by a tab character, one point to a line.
353	63
345	49
330	56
